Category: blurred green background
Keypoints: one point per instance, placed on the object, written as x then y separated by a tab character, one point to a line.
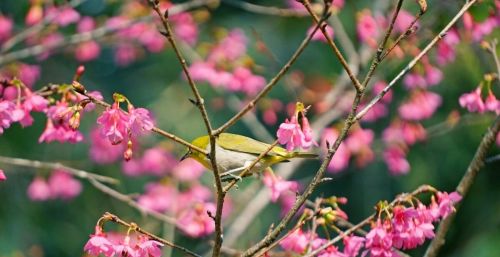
59	228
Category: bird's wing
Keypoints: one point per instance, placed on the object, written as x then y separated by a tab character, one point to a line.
248	145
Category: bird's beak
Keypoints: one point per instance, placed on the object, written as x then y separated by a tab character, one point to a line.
185	156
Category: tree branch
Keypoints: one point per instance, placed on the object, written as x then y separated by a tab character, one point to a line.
113	218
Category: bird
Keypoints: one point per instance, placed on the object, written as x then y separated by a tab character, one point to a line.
235	153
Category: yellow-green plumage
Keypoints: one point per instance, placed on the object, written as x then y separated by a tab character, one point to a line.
234	152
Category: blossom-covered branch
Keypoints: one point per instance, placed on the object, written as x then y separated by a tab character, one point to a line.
465	183
415	60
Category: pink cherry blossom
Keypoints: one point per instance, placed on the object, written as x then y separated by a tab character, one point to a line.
445	204
63	185
379	110
64	16
99	244
421	105
232	47
39	190
87	51
297	241
289	133
433	75
139	120
101	151
34	102
379	241
340	160
396	162
352	245
414	80
114	123
195	221
6	114
188	170
473	101
277	185
126	249
404	132
403	21
2	175
85	24
35	15
29	74
6	26
409	228
157	161
367	28
446	47
185	27
492	104
158	197
125	54
150	248
318	36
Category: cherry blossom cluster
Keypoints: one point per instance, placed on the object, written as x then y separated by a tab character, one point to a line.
226	66
404	225
60	185
132	40
296	132
118	126
357	145
114	244
474	101
17	101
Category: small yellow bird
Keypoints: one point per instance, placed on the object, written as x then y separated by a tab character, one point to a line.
234	153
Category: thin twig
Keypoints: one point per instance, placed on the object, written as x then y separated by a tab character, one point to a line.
111	217
331	43
492	48
250	105
464	185
414	61
57	166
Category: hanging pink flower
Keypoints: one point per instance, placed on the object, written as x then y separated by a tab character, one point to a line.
473	101
277	185
7	109
150	248
99	244
195	221
2	175
379	241
289	133
395	159
297	241
113	124
6	26
39	190
492	104
158	197
139	120
63	185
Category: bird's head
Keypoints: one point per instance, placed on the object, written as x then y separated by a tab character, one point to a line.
200	142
